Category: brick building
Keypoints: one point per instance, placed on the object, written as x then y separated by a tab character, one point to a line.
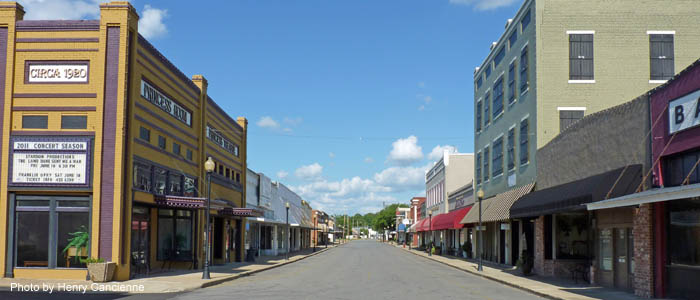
102	136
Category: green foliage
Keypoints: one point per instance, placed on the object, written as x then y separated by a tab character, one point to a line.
92	260
79	239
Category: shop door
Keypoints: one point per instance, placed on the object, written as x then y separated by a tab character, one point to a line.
621	259
514	241
502	246
140	223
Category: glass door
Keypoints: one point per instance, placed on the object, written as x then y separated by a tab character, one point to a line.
140	223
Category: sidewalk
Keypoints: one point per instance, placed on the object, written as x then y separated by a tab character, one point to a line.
547	287
185	280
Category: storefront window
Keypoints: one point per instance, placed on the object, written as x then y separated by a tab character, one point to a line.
142	177
684	232
160	179
175	184
572	236
606	250
190	187
174	234
52	232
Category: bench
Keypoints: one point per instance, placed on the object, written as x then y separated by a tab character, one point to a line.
579	271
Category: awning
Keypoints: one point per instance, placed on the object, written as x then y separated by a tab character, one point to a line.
451	220
472	216
499	210
241	212
650	196
574	195
414	227
423	225
180	201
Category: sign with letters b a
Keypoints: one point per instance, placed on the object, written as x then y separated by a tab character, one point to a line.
684	112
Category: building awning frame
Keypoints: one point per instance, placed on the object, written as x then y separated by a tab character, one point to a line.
649	196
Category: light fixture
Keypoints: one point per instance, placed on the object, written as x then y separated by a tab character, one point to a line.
209	165
480	193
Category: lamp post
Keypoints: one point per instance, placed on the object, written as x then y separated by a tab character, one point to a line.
289	235
208	167
315	231
480	195
430	221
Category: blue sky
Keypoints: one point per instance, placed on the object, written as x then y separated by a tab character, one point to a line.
346	100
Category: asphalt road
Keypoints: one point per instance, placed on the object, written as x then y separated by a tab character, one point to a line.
361	270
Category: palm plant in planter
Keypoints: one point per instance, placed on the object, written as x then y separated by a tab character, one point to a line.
466	249
525	263
77	244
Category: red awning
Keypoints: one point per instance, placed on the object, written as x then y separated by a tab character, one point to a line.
450	220
422	225
179	201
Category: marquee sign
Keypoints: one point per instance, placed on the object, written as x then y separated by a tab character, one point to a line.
684	112
56	72
166	104
50	161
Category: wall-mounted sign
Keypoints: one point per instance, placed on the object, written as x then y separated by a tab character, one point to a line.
50	161
220	140
684	112
505	226
56	72
166	104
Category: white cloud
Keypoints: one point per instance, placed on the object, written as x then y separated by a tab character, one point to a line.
331	154
369	160
151	22
61	9
428	99
439	151
421	84
281	174
484	4
405	151
268	122
293	121
309	172
421	108
401	179
287	130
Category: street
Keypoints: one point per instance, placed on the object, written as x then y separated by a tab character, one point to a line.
362	269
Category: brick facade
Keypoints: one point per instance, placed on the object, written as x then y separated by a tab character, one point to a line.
644	251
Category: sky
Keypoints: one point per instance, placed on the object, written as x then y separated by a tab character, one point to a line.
348	102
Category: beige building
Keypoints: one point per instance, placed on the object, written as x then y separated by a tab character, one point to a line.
559	60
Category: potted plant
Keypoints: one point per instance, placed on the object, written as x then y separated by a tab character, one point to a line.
524	264
77	244
466	248
99	270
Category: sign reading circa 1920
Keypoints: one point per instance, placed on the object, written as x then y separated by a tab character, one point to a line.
57	73
684	112
154	96
50	161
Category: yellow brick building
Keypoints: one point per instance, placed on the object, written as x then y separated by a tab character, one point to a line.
104	138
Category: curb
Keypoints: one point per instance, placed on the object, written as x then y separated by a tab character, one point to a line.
531	291
248	273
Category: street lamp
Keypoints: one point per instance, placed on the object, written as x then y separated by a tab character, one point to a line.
430	220
208	167
289	234
315	231
480	195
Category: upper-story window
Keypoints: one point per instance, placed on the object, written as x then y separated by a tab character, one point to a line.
73	122
487	109
568	117
524	77
513	38
145	134
35	122
580	56
499	56
498	98
524	141
478	168
498	156
511	83
486	163
161	142
511	148
479	82
478	116
525	21
488	70
662	57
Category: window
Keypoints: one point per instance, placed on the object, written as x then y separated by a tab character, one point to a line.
498	98
176	148
479	82
160	178
488	70
161	142
511	83
221	170
238	177
513	38
511	149
228	173
606	249
174	234
73	122
142	177
580	56
572	236
678	167
499	56
39	221
498	157
662	58
525	21
487	108
478	168
175	184
524	142
524	77
35	122
190	188
486	163
478	116
683	232
145	134
189	154
568	117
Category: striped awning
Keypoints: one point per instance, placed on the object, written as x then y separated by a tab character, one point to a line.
472	216
180	201
499	210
